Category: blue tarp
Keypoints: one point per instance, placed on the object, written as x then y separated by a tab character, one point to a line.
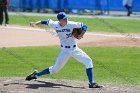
74	4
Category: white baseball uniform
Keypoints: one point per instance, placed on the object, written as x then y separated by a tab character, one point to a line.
68	45
68	48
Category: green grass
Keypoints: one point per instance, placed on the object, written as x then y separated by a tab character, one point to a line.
94	24
111	65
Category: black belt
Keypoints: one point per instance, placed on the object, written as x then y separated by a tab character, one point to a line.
68	46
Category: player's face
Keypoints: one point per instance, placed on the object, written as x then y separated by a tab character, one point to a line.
63	22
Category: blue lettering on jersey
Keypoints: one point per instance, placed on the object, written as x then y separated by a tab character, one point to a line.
69	35
63	30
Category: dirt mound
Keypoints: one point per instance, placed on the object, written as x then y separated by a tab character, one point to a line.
19	85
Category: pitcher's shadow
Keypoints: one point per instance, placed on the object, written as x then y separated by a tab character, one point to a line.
49	85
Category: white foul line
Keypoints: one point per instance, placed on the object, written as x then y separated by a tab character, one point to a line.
45	30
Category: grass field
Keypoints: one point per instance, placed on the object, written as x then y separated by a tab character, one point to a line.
94	24
111	65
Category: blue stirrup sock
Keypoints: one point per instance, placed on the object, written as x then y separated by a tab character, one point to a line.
43	72
90	75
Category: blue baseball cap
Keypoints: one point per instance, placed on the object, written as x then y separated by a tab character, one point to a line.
62	15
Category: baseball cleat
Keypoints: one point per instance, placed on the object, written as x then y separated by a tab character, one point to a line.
32	76
95	85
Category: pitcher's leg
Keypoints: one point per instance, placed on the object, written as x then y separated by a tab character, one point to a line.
82	57
43	72
60	62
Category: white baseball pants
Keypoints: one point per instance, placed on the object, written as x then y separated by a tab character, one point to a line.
65	54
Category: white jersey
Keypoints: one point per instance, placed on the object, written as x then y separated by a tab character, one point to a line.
65	32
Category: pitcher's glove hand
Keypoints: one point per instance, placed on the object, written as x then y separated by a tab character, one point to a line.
78	33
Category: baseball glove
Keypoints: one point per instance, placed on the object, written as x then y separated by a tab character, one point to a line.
78	33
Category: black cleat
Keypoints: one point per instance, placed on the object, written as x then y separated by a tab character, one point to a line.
95	85
32	76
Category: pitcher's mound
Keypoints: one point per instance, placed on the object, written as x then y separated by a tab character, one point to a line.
19	85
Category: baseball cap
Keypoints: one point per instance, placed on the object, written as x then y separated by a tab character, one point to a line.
62	15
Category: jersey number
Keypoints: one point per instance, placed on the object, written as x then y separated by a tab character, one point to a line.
68	35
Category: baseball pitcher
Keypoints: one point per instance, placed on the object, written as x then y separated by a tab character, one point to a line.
67	32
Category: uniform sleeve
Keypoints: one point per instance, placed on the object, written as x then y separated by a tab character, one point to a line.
76	24
48	22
